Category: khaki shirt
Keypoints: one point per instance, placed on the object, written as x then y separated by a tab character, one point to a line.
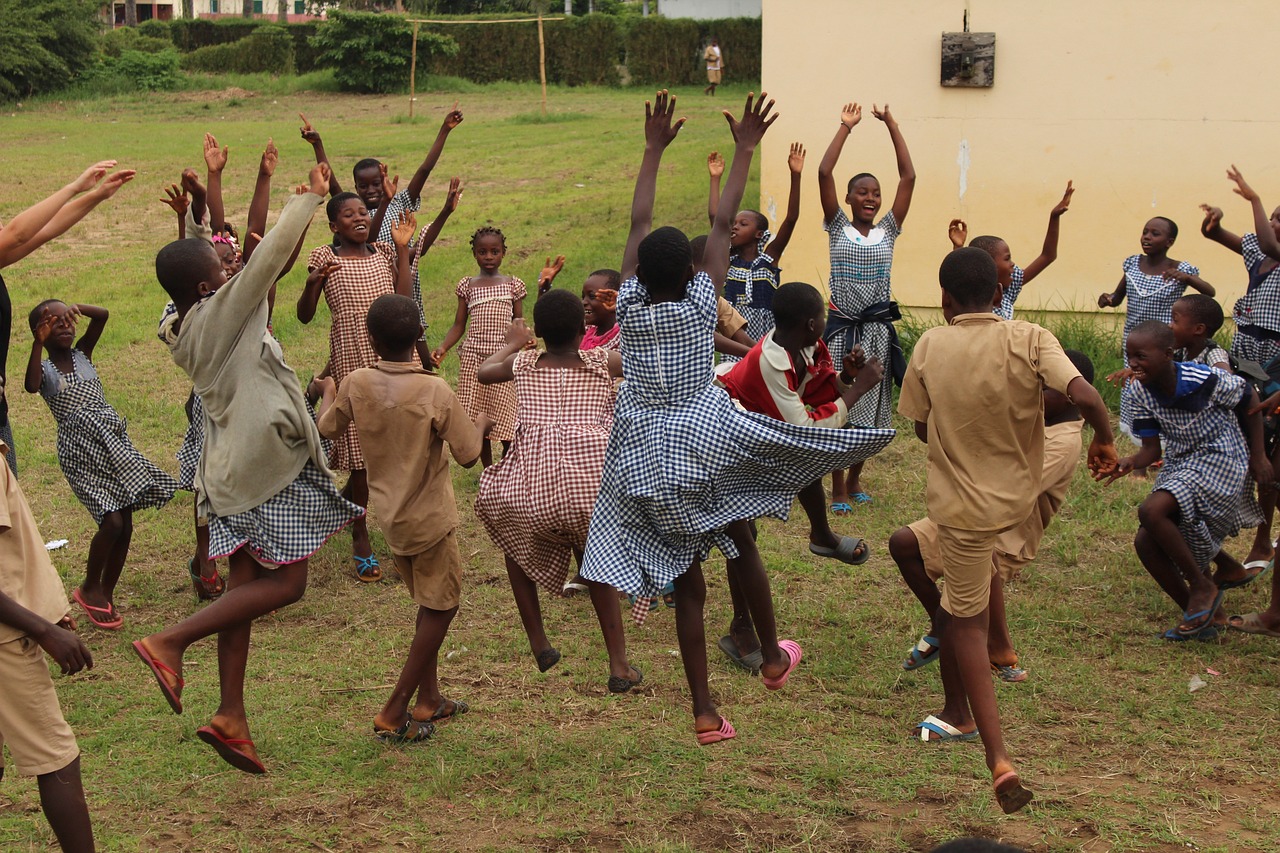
405	416
977	384
27	574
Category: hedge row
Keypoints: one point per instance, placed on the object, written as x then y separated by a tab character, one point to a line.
267	49
190	35
668	51
580	50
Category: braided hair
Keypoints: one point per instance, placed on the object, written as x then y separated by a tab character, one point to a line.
489	229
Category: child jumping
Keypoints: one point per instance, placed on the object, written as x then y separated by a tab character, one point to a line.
105	471
985	435
862	311
536	503
685	470
1013	277
263	485
406	416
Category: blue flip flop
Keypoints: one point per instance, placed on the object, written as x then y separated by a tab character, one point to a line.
945	731
1206	615
861	498
1206	635
925	653
841	508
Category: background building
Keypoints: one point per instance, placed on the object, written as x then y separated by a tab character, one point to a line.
710	9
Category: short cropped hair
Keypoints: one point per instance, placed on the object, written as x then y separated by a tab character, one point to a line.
613	278
182	264
1173	226
969	275
366	163
664	257
558	317
335	204
1203	309
34	317
1159	333
697	248
762	221
1082	363
393	321
986	243
859	177
795	303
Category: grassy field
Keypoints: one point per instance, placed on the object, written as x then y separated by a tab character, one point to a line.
1121	755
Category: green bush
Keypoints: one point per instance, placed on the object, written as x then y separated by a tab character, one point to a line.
304	53
191	34
45	44
155	28
580	50
584	50
117	41
134	71
370	52
266	49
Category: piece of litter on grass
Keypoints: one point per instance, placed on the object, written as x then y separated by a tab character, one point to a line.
579	186
675	653
456	653
1212	671
1196	683
54	544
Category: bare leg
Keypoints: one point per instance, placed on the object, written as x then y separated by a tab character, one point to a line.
357	491
741	629
755	587
103	543
904	547
526	595
691	596
967	638
1158	514
813	499
839	487
1158	565
486	453
854	483
62	799
604	599
955	708
119	554
1262	548
204	565
420	671
999	643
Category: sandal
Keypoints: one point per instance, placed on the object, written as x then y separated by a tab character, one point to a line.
546	659
861	498
668	594
207	589
1010	673
367	568
459	707
841	508
925	653
227	750
618	684
725	732
410	731
1009	792
111	621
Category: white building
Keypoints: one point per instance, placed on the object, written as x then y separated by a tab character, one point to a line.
709	9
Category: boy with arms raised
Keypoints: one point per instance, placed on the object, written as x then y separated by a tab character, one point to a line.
974	388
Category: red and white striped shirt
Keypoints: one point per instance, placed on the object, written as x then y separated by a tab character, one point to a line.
765	381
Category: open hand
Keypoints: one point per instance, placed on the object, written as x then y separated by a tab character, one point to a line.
518	334
113	182
549	272
319	178
958	233
882	114
453	118
44	326
850	115
270	157
1175	274
1061	207
659	127
455	194
215	158
320	274
177	199
1121	377
389	187
1242	189
89	177
404	228
715	164
67	650
309	133
750	129
1212	219
795	160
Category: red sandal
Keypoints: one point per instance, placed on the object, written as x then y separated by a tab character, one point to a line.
112	623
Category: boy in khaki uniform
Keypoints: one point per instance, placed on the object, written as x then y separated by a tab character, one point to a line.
406	416
33	620
974	390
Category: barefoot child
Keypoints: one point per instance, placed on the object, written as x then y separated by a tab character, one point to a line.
915	547
1013	277
1211	444
33	621
105	471
862	311
406	417
536	503
985	435
270	500
685	470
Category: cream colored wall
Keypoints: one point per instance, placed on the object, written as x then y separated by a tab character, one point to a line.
1143	104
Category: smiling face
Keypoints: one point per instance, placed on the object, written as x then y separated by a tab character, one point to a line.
1157	239
488	252
352	222
1004	262
596	312
1150	362
745	230
227	256
63	334
864	200
369	186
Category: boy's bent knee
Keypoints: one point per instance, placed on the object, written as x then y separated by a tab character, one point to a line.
903	545
1158	506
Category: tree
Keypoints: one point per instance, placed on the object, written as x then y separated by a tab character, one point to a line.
246	11
45	44
282	11
369	52
131	13
188	9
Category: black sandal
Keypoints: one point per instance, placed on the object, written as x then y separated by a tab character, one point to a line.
546	659
618	684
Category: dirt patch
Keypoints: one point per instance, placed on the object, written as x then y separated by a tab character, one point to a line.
228	93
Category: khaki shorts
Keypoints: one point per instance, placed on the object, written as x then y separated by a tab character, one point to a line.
433	577
31	723
1008	565
965	558
713	75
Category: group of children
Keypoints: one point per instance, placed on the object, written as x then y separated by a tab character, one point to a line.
638	481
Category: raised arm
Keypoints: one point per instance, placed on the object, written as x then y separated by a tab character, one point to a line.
451	120
1267	241
258	205
75	210
179	202
1212	228
35	373
191	183
849	118
216	160
1049	251
660	128
97	322
26	226
795	164
432	231
958	233
747	133
389	188
312	136
715	169
498	367
547	276
906	171
401	233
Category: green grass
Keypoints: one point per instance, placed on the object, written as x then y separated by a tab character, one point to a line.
1121	755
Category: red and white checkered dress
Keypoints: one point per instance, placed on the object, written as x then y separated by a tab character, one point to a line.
489	313
536	503
349	291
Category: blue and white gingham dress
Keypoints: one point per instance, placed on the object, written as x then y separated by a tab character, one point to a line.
1257	313
1010	295
749	287
860	269
682	462
1206	460
1149	297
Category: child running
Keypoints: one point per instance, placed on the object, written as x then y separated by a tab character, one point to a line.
105	471
861	310
1205	423
263	484
915	549
407	416
351	276
985	435
755	252
685	470
1013	277
33	622
489	301
536	503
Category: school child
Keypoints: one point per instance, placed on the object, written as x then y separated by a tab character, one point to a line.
406	416
105	471
685	470
731	338
985	435
1153	282
789	375
861	310
427	239
600	310
915	548
351	276
754	250
536	503
1200	420
34	621
262	480
30	230
489	301
1013	277
1256	314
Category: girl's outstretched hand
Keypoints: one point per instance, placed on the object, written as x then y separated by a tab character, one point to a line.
660	124
270	157
321	274
215	158
1061	207
404	228
518	334
455	194
309	133
958	233
177	199
882	114
715	164
1176	274
850	115
389	187
319	178
1121	377
453	118
549	272
1242	189
44	328
1212	219
755	120
795	160
89	177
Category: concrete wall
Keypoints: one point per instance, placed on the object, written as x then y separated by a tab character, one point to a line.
1143	104
707	9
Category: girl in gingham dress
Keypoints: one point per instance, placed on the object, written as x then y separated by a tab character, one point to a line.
685	470
109	476
352	274
861	309
489	301
536	503
1153	281
600	308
